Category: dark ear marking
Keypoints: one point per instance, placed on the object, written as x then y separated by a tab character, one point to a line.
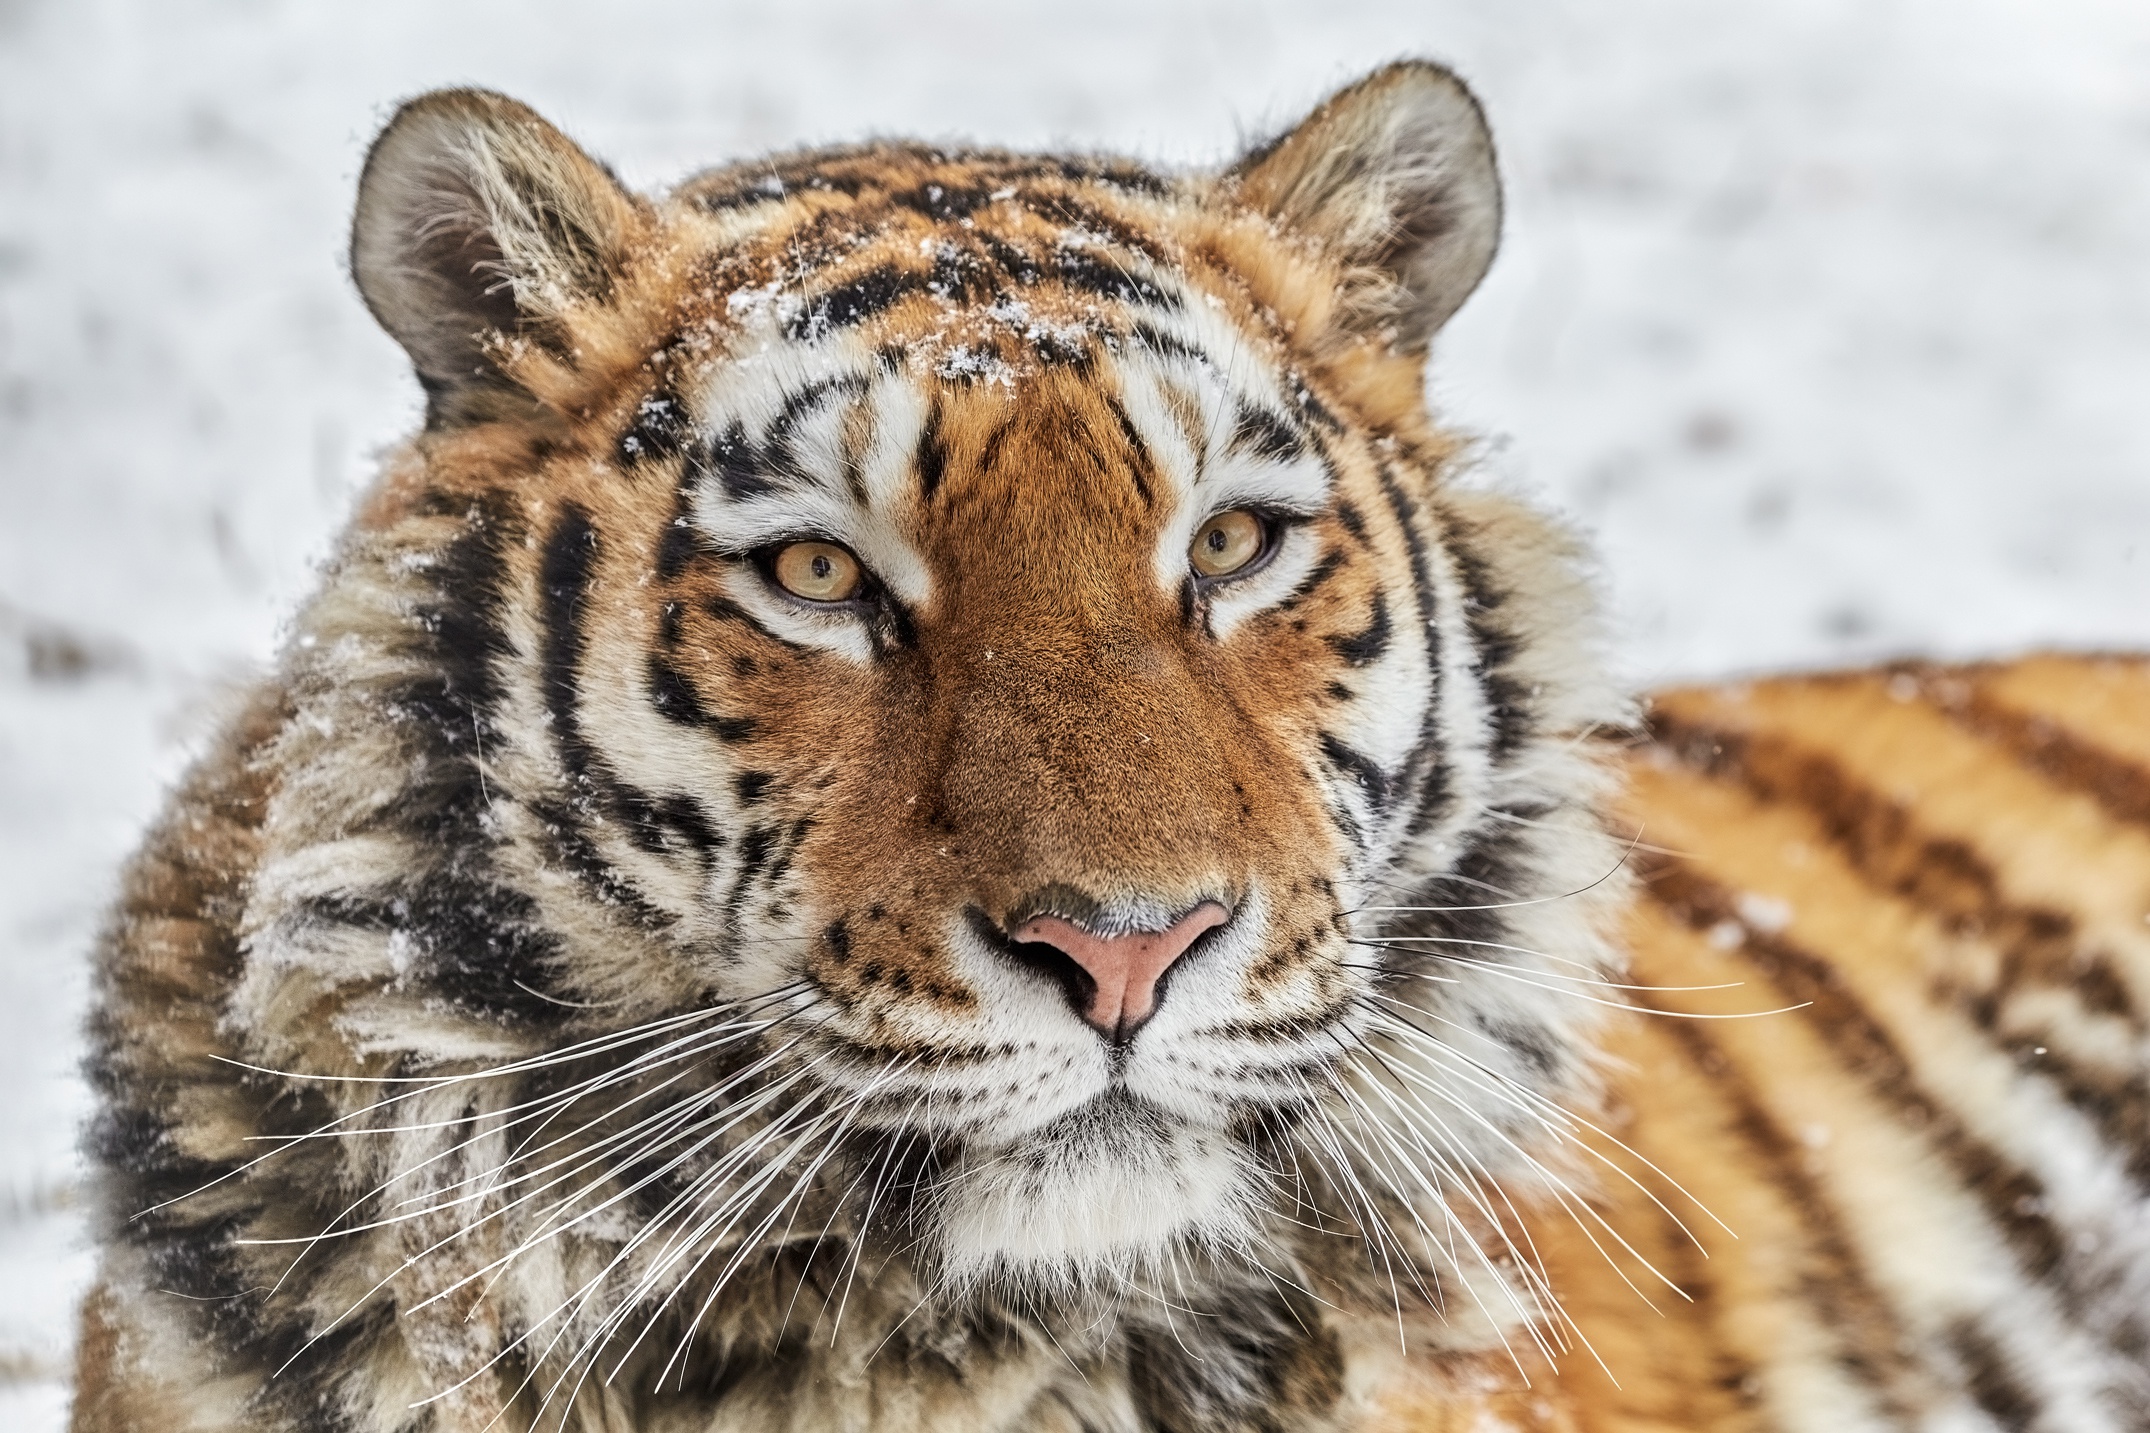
477	221
1395	177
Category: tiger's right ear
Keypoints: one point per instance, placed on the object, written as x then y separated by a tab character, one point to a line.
478	223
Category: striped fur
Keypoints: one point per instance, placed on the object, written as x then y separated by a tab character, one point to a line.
580	994
1936	1165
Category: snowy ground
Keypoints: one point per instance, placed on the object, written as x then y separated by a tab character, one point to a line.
1822	314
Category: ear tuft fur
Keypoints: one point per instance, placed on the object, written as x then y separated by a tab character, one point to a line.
477	221
1395	175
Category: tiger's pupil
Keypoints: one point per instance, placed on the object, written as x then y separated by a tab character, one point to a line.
1227	543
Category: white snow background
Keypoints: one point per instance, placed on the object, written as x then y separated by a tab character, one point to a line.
1830	319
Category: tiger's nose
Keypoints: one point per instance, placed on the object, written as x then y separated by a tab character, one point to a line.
1123	969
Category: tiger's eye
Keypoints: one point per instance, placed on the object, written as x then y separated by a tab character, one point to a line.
819	572
1226	543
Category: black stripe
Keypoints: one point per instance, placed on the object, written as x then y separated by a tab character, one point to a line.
679	546
849	304
1993	1384
1869	1342
724	609
1073	212
2044	744
673	695
736	462
1311	407
777	458
1156	340
1462	900
483	947
989	455
658	430
1086	272
563	585
932	459
2013	1198
460	618
1496	646
1365	647
1360	768
662	826
946	203
1268	433
1425	773
1140	465
1321	572
1018	264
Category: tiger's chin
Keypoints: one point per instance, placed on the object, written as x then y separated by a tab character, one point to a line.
1096	1197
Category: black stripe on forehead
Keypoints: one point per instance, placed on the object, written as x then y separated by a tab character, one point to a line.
851	303
1267	433
1156	340
1140	465
932	458
745	467
969	269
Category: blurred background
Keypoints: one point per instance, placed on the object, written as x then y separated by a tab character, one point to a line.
1829	320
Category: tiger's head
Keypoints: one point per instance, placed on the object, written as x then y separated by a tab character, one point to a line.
1003	627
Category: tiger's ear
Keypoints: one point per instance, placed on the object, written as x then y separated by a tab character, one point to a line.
1395	176
478	222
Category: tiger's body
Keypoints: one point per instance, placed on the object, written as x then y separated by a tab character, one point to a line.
924	805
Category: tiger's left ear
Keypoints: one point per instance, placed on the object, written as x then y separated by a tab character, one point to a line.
1394	176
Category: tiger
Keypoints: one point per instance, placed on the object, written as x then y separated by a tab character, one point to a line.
932	799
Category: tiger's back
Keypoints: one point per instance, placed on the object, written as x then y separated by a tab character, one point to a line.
1916	1196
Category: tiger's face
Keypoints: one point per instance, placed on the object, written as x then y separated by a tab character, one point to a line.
996	618
1054	796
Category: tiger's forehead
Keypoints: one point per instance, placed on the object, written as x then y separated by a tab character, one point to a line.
868	322
967	266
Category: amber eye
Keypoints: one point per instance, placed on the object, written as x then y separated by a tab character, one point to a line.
1227	542
818	571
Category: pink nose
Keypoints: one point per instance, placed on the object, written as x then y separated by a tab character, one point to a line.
1125	967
